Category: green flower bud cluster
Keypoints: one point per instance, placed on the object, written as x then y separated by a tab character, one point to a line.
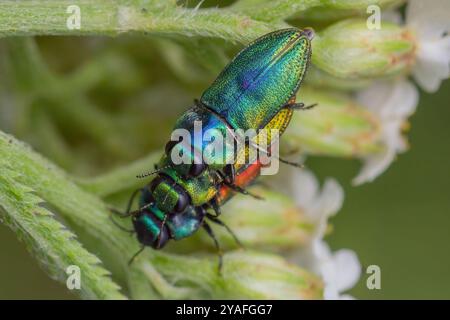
350	50
338	126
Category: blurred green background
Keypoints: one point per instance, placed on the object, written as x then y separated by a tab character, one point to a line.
399	222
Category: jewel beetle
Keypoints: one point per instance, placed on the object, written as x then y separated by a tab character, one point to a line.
256	90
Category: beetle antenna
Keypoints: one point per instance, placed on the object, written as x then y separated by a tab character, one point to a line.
147	174
294	164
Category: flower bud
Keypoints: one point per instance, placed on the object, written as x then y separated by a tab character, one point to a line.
244	274
334	10
251	275
349	49
337	126
273	10
272	223
321	79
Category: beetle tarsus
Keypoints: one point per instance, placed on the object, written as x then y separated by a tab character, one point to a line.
114	211
294	164
215	206
135	255
301	106
230	173
160	231
242	190
210	232
221	223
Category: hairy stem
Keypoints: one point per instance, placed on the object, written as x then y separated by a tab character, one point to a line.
112	18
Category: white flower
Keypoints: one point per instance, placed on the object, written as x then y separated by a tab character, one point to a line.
430	20
340	270
392	102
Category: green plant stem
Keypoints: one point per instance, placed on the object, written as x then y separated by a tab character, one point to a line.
80	208
112	18
122	178
50	91
21	184
270	10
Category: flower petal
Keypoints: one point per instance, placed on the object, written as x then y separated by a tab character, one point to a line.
305	188
433	63
431	22
429	18
348	268
340	271
393	103
301	185
318	205
331	197
392	16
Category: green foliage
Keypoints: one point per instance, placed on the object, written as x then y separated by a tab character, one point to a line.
53	245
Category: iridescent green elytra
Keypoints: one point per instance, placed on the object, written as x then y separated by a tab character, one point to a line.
261	79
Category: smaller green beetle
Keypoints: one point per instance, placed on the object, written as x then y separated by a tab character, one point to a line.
172	192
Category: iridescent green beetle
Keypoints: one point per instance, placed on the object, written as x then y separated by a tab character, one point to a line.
250	92
256	90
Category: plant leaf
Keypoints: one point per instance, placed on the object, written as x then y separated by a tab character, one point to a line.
55	247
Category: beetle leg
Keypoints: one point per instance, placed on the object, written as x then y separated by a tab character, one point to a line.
130	231
130	203
237	188
242	190
135	212
120	214
163	223
221	223
135	255
124	215
230	173
215	206
113	211
291	163
216	243
300	106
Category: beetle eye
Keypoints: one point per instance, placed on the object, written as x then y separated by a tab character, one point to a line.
170	145
182	203
197	169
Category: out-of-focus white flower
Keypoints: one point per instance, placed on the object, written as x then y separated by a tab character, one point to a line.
393	102
393	16
318	205
340	270
430	20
